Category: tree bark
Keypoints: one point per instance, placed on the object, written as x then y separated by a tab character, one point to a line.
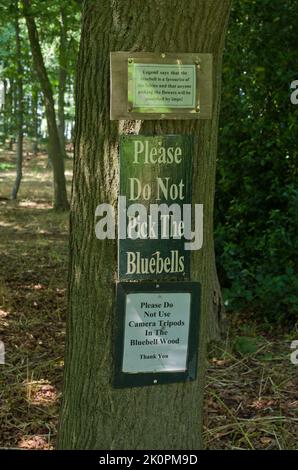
55	151
19	109
94	415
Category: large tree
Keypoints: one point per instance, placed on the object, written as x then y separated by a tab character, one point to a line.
94	415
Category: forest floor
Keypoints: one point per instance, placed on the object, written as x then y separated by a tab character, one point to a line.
251	399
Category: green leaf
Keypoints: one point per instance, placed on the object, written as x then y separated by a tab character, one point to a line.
246	344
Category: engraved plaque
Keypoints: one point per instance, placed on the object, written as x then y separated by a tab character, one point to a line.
147	85
161	88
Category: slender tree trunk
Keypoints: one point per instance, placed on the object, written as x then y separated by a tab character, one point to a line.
3	112
19	109
62	77
94	415
55	151
34	120
8	115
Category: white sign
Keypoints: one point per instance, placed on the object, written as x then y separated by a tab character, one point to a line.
163	85
156	332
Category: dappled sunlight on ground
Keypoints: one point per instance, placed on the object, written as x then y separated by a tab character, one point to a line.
35	442
37	185
3	313
33	253
40	392
34	205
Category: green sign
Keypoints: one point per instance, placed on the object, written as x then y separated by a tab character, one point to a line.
157	333
155	188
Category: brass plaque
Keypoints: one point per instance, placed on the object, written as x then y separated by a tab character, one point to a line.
161	86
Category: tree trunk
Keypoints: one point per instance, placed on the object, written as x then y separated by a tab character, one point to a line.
62	78
3	112
94	415
34	129
55	152
19	109
8	115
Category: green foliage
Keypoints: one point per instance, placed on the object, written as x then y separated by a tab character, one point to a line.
6	166
246	344
257	193
48	19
